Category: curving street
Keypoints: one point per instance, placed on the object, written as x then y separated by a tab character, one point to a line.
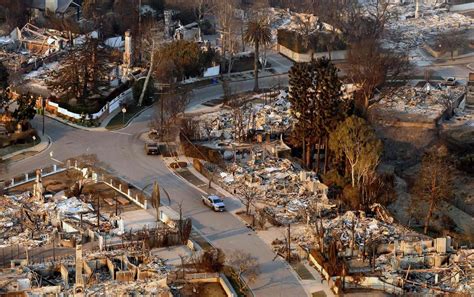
122	153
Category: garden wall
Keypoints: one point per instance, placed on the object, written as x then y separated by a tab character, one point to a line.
108	108
306	57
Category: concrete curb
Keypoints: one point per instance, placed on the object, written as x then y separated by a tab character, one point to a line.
130	120
96	129
58	119
39	148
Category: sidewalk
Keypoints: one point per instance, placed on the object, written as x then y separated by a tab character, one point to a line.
65	122
312	284
195	178
103	124
40	147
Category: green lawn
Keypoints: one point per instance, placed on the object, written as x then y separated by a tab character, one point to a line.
120	119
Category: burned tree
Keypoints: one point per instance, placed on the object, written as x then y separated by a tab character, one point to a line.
156	200
371	67
243	264
433	184
247	195
229	28
4	94
184	225
172	103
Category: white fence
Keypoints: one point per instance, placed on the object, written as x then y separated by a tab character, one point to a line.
29	177
127	194
108	107
306	57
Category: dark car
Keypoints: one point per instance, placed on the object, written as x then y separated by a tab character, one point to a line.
152	149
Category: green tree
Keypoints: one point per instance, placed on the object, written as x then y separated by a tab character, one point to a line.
25	110
433	184
186	57
259	34
303	107
317	104
4	75
355	140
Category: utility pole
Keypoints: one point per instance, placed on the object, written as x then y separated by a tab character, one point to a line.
140	30
289	244
54	248
98	213
43	105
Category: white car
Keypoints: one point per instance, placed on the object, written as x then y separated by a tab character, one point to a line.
214	202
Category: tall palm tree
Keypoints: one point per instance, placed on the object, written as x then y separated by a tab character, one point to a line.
258	33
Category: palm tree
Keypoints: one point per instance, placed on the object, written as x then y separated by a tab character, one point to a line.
258	33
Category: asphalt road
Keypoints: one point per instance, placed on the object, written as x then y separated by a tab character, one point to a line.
121	152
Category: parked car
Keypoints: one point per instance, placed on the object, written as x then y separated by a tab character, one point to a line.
214	202
152	149
450	81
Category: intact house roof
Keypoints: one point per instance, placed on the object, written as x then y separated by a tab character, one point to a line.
63	5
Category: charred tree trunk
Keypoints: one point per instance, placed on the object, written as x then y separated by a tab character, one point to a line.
428	216
308	156
257	48
303	154
326	154
318	156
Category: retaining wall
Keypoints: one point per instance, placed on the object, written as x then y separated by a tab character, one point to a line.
108	108
306	57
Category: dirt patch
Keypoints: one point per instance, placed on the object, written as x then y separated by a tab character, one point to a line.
109	199
176	165
249	219
212	290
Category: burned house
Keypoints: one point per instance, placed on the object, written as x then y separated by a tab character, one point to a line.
61	8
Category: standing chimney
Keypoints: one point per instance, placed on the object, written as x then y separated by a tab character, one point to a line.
79	285
417	9
168	23
127	55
